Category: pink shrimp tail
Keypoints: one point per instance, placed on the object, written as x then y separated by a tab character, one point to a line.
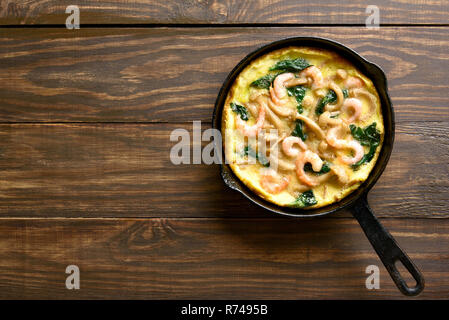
272	185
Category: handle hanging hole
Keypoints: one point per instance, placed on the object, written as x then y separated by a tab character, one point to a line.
405	274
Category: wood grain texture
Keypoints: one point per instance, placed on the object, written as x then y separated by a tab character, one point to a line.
174	75
85	175
124	170
224	11
212	258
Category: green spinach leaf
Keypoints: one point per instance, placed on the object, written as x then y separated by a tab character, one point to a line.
330	97
298	92
241	110
324	169
298	130
306	199
264	82
368	136
291	65
248	151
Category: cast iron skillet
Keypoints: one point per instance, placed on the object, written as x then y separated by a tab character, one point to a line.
381	240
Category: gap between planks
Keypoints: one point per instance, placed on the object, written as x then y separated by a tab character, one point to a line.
212	25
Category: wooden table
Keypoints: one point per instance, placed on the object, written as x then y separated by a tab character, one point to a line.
85	175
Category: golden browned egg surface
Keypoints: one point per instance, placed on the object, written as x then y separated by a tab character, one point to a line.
302	127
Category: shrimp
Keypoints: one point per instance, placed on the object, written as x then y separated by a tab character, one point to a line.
372	99
287	146
332	140
278	84
252	131
358	152
315	75
277	90
324	152
275	99
316	162
355	105
353	82
340	172
273	184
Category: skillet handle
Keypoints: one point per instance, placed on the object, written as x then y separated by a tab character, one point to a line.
387	248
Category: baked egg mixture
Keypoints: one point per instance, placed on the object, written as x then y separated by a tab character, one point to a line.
302	127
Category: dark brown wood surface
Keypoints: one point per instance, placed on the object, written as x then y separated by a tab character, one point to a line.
85	174
224	11
211	258
124	170
145	75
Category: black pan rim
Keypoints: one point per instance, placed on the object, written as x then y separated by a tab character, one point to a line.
369	69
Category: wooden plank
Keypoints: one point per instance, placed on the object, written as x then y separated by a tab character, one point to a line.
174	75
224	11
211	258
111	170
